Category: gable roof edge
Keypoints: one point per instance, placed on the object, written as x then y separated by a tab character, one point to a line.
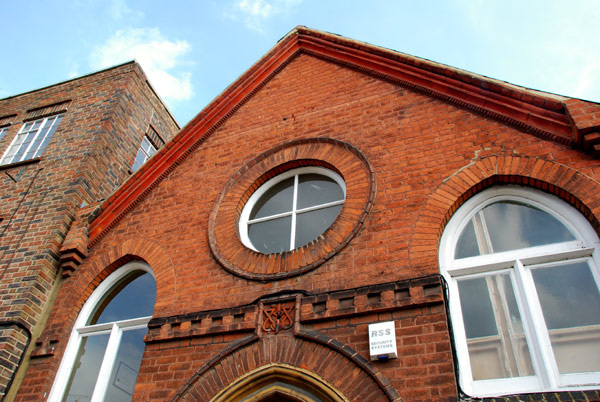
191	136
532	111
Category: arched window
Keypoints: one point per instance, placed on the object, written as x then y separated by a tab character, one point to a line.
292	209
103	356
522	268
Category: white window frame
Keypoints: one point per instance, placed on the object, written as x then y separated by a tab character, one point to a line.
518	263
3	131
144	152
245	215
53	122
80	329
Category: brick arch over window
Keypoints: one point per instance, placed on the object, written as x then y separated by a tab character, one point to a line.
340	157
566	183
123	252
344	372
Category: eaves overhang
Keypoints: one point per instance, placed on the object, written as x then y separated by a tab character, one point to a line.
544	115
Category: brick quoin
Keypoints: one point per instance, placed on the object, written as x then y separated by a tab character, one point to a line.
425	153
106	115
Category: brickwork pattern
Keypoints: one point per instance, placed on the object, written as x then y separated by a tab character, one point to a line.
224	219
340	371
89	155
425	154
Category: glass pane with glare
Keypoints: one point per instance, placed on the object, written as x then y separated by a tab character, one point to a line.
495	336
309	225
316	189
513	225
87	366
467	243
570	303
272	236
276	200
132	298
127	365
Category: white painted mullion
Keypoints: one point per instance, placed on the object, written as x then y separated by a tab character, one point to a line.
65	370
112	348
54	120
539	342
320	206
462	351
295	212
294	205
12	144
269	218
37	133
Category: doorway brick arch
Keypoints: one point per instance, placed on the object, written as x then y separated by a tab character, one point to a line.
346	372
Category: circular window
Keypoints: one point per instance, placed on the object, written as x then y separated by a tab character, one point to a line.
292	209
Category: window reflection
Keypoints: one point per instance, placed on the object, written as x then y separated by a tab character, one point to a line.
571	307
509	225
495	337
119	319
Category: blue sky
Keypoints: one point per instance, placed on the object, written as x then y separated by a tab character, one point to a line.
192	50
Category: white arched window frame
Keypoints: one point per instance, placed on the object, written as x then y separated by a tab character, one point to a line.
517	265
115	329
245	220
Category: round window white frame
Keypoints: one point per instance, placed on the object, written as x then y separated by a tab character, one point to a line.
517	263
245	215
80	328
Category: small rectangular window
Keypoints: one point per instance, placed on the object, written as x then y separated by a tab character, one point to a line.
146	150
3	131
31	140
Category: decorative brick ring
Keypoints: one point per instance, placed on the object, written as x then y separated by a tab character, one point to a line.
223	225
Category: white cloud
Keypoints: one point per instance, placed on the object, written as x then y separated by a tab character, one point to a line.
157	55
73	67
119	10
255	12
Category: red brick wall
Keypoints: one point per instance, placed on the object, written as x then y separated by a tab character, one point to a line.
105	117
427	156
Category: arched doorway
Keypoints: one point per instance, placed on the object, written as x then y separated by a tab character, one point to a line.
279	382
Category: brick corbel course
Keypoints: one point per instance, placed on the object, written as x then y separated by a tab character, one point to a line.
75	246
328	306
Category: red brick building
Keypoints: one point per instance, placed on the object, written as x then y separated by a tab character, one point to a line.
333	186
63	146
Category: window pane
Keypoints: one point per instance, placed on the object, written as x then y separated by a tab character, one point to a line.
48	136
275	200
495	337
140	158
131	298
570	303
87	367
316	189
478	313
22	148
309	225
151	151
271	236
127	366
513	226
467	243
146	145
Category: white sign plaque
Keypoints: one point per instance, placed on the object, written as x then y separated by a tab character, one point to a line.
382	341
